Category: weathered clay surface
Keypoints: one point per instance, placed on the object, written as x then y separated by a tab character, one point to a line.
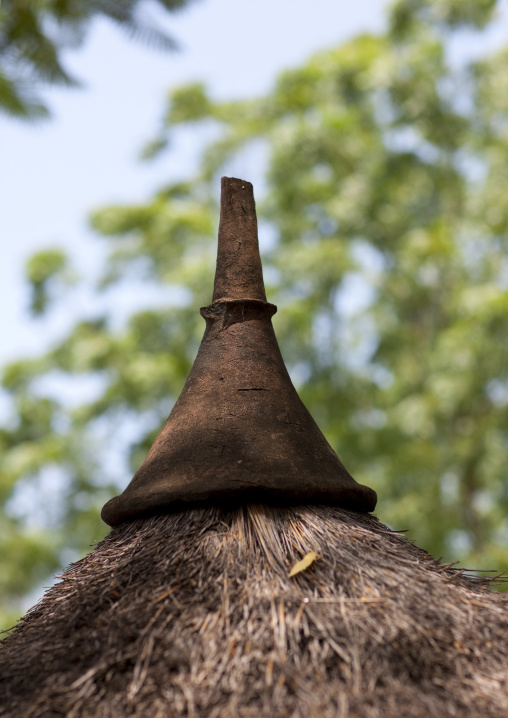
239	431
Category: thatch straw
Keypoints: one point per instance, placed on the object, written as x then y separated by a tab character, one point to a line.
193	614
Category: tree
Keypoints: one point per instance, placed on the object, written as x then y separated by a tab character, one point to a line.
385	198
35	33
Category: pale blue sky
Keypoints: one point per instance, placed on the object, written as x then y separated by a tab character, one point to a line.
54	173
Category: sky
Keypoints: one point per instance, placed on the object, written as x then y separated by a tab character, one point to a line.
54	173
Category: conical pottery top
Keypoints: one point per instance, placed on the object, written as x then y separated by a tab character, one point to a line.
239	431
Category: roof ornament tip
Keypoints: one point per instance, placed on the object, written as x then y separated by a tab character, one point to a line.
239	431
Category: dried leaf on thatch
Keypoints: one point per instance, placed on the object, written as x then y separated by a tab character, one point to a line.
306	561
193	614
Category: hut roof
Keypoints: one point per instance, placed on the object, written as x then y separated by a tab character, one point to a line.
193	614
259	609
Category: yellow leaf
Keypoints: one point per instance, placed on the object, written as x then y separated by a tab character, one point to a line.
306	561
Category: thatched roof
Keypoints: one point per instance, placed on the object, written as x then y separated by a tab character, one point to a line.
193	614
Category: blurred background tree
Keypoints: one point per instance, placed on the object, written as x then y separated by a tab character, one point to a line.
35	33
380	173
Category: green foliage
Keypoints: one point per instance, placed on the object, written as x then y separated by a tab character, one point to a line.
409	15
43	270
189	104
385	191
34	34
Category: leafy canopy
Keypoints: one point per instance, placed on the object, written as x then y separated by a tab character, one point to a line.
384	201
35	33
